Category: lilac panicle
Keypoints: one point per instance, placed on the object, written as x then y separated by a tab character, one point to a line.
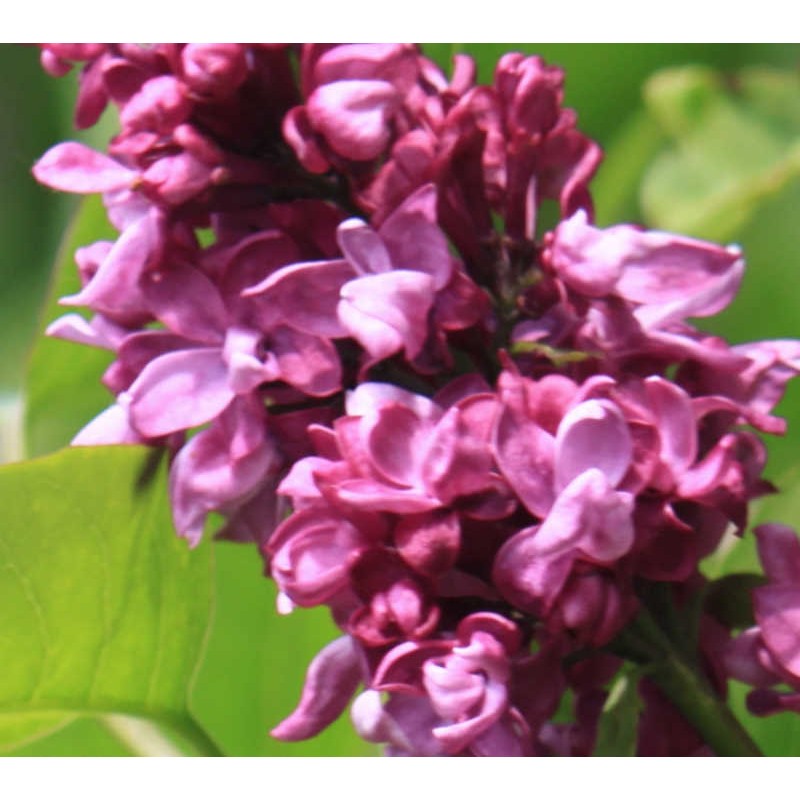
476	442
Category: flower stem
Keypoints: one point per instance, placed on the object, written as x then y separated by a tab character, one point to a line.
682	681
703	709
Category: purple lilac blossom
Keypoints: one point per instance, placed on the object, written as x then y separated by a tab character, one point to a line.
362	373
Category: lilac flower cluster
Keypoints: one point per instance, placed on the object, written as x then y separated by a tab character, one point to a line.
330	296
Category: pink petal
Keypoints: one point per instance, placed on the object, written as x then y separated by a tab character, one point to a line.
353	115
112	426
779	551
307	362
115	288
586	258
593	435
75	328
401	667
453	693
396	444
666	268
459	735
187	302
706	299
180	390
305	296
429	542
414	239
368	495
458	461
299	483
591	517
311	553
777	609
220	466
498	627
368	398
525	577
711	471
392	61
676	423
363	248
74	167
240	353
331	679
389	312
524	453
298	132
177	178
741	659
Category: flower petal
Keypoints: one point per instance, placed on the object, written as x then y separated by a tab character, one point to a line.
331	680
180	390
74	167
593	435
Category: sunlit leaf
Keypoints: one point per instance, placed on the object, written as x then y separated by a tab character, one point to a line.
728	152
103	608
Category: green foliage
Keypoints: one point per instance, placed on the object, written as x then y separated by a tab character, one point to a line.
31	217
253	670
777	735
733	145
616	733
101	611
728	599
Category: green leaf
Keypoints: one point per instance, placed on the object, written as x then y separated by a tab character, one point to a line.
728	599
615	189
732	147
103	608
254	667
31	217
83	736
777	735
442	54
27	727
616	733
63	384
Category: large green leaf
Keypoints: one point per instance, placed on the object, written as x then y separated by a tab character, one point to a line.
731	147
103	608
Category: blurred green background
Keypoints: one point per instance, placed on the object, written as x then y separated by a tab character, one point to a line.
702	139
